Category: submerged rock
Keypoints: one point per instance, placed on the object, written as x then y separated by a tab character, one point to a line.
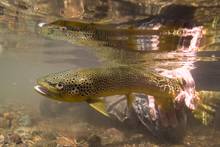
46	144
95	141
66	142
24	132
49	135
114	135
2	139
14	138
8	115
22	145
5	124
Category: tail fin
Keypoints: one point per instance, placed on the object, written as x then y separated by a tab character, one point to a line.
206	109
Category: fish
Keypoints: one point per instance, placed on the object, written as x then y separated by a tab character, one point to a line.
92	84
207	107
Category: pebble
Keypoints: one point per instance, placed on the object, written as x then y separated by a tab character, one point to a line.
49	135
46	144
2	139
15	138
6	120
94	141
114	135
8	115
4	123
24	132
66	142
22	145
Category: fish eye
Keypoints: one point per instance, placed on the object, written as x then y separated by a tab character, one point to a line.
63	28
59	86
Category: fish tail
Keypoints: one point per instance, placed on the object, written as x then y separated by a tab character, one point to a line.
207	106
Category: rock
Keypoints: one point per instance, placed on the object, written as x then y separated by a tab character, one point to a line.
36	139
25	121
114	135
1	13
4	123
46	144
14	138
49	135
66	142
22	145
36	132
24	132
94	141
2	139
8	115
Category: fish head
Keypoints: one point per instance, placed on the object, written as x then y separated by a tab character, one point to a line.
53	30
64	86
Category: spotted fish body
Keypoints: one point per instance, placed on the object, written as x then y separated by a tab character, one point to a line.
91	84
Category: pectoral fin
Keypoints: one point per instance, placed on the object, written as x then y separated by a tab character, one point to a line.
99	106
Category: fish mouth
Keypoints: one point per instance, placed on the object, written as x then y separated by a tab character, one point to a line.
42	90
47	92
41	24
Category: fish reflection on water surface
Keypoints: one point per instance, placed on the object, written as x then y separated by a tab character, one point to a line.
149	43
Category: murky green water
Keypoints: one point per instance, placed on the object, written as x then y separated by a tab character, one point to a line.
113	33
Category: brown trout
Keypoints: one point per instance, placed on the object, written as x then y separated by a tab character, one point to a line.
91	84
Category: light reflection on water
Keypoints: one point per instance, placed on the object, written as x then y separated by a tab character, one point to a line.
25	54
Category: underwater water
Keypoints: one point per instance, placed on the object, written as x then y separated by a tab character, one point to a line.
149	35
